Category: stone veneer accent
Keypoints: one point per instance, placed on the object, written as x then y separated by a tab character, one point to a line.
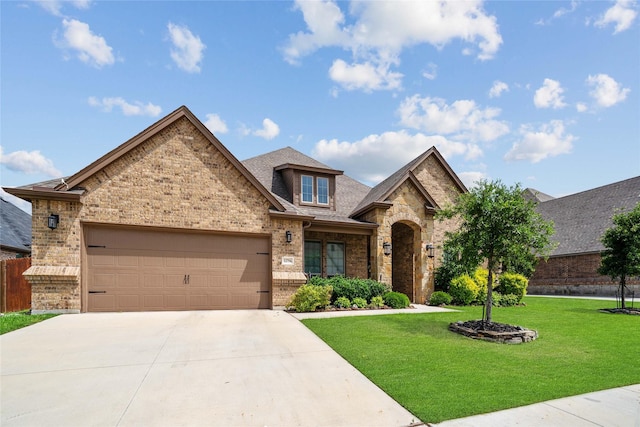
54	289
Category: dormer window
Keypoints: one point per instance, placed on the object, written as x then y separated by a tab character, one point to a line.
310	186
314	190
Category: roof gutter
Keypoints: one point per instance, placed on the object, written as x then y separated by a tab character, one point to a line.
44	193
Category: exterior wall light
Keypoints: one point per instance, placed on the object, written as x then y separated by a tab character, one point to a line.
386	248
430	250
287	235
52	221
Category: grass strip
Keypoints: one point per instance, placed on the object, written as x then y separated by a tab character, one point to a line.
439	375
20	319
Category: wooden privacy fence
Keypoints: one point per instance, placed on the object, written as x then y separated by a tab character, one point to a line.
15	291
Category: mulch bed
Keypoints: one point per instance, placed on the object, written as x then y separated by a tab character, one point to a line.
632	311
495	332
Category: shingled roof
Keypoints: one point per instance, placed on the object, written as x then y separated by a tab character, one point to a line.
15	228
581	219
535	195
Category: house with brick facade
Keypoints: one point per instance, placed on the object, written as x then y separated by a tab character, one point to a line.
580	221
171	220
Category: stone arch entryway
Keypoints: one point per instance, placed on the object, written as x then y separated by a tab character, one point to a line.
405	241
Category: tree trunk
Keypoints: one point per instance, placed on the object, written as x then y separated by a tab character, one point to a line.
489	303
623	284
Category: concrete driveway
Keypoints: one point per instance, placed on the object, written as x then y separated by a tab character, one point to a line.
214	368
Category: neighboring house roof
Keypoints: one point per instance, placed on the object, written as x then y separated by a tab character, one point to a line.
380	192
349	192
67	188
581	219
15	227
535	195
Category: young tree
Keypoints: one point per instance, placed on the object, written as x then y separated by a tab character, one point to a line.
621	258
499	226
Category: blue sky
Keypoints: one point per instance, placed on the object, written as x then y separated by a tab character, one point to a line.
546	94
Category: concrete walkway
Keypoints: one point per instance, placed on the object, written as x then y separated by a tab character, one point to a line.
199	368
618	407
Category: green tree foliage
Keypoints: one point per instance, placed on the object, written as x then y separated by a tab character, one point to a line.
621	257
499	226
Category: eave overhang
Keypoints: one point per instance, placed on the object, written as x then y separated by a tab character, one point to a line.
43	193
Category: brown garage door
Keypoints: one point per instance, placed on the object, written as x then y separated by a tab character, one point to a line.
140	270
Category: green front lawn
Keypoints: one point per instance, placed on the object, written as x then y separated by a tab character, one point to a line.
20	319
439	375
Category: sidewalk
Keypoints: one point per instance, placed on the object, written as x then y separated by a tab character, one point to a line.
618	407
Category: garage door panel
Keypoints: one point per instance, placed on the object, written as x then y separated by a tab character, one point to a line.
153	302
127	301
151	270
102	302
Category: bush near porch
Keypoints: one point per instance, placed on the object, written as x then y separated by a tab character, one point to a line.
345	292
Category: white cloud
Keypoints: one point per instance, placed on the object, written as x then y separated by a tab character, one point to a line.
215	124
381	30
497	89
16	201
365	76
535	145
29	162
187	51
462	119
549	95
470	179
622	14
581	107
90	48
563	11
128	109
269	130
375	157
54	7
431	71
606	91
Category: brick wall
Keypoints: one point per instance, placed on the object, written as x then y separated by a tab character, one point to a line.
574	275
177	179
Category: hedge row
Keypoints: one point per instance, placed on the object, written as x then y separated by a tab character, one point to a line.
345	292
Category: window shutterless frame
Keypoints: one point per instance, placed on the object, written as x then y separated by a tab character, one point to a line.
306	185
322	187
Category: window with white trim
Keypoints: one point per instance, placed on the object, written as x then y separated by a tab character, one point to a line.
307	189
323	190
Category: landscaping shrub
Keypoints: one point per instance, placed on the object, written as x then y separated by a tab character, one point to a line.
352	287
513	284
440	298
377	302
396	300
342	302
360	302
509	300
310	298
463	290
